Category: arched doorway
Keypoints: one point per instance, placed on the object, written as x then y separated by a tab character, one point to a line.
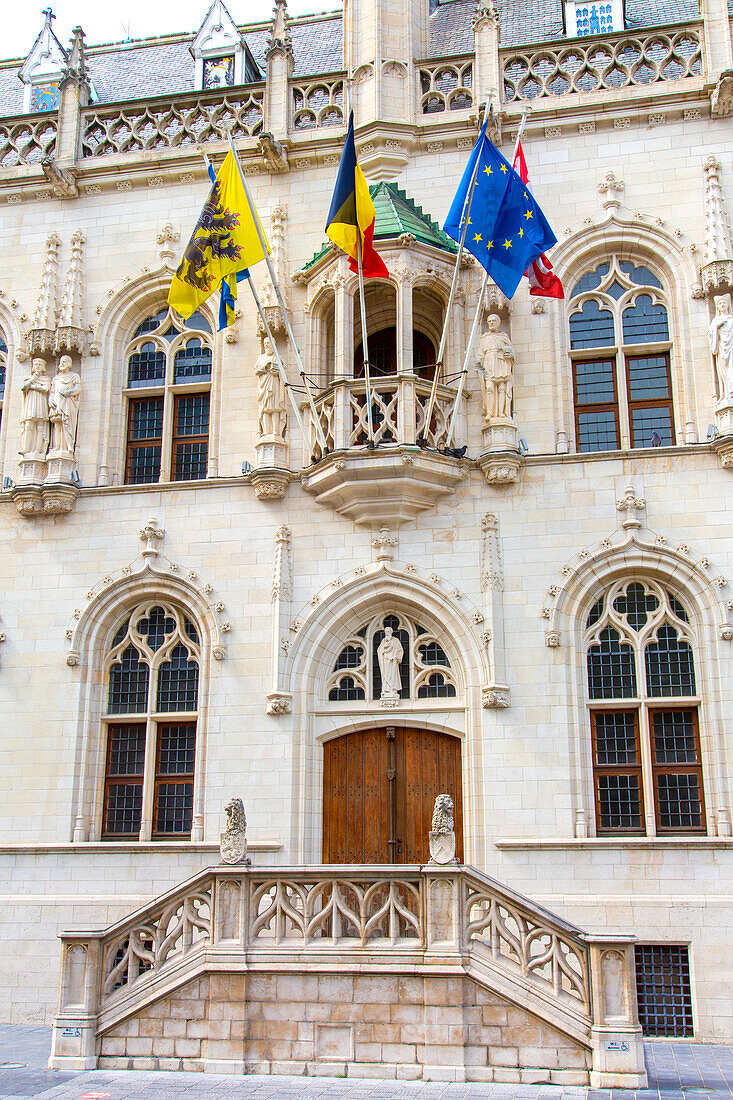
379	787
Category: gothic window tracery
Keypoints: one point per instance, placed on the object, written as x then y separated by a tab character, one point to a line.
620	350
425	669
168	428
644	712
150	719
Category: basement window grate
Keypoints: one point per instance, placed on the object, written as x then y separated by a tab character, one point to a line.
663	990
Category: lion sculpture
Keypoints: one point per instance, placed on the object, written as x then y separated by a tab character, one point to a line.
443	814
233	845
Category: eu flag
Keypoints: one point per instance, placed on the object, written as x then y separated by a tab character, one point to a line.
506	229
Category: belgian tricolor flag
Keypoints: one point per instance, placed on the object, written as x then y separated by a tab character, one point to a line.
352	213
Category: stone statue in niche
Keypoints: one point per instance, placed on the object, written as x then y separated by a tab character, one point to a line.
270	398
34	417
389	655
720	336
442	832
63	407
497	371
233	841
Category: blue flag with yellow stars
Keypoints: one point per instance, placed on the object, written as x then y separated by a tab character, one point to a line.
506	229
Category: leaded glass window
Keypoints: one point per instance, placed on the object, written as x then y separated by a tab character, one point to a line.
3	369
620	349
168	429
647	765
152	670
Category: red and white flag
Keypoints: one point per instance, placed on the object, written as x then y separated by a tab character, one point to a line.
543	283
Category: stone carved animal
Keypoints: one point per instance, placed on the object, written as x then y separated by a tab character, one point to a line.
443	814
236	817
233	844
210	235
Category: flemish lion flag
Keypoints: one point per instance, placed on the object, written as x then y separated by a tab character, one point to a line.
223	242
352	214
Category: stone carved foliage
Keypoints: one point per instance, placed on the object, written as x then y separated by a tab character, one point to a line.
519	940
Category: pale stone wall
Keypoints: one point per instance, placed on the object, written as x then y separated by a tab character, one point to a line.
345	1025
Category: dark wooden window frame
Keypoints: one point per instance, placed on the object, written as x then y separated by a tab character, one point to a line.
618	769
173	779
179	440
677	769
128	780
650	403
603	406
138	444
419	339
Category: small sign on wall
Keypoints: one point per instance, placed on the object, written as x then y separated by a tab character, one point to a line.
71	1032
617	1044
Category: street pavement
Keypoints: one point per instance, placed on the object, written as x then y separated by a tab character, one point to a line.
677	1071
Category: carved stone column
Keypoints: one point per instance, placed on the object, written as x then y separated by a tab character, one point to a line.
74	1039
487	73
280	701
280	61
495	695
616	1039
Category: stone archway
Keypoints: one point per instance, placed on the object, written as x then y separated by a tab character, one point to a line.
379	786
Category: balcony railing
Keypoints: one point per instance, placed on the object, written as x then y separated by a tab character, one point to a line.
317	101
399	405
27	139
609	63
169	123
445	85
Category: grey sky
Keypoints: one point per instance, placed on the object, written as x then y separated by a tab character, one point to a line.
108	21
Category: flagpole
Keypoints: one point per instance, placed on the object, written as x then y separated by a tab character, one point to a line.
281	368
364	343
453	288
281	303
477	315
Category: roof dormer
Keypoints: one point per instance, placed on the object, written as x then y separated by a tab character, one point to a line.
588	17
42	70
222	56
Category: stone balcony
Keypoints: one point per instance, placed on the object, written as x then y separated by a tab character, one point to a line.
406	469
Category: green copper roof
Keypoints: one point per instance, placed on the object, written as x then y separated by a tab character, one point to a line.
397	213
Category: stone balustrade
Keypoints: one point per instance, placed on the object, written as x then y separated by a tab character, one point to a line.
445	85
26	139
317	102
445	940
603	63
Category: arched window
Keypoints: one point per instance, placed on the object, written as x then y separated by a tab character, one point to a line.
151	678
425	670
3	368
644	705
168	428
620	350
383	355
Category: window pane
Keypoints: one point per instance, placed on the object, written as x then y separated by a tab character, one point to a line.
674	737
433	654
595	613
663	990
192	414
152	322
126	749
128	684
192	363
591	327
146	418
634	604
642	276
597	431
198	322
678	801
143	465
591	280
594	382
436	688
650	425
615	738
349	657
346	689
2	381
619	802
176	748
611	672
192	461
677	608
156	627
123	808
146	367
645	322
648	377
670	668
174	808
178	682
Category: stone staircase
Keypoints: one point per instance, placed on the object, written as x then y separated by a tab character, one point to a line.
434	973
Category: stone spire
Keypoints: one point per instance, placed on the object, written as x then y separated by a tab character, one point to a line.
717	272
75	71
279	41
70	335
41	335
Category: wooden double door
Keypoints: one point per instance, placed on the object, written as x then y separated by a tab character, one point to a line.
379	787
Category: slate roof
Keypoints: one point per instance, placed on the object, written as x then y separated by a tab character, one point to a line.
136	70
396	213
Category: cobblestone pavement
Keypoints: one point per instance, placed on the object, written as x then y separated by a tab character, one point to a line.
677	1071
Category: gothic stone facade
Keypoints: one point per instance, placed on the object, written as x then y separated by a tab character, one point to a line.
179	628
